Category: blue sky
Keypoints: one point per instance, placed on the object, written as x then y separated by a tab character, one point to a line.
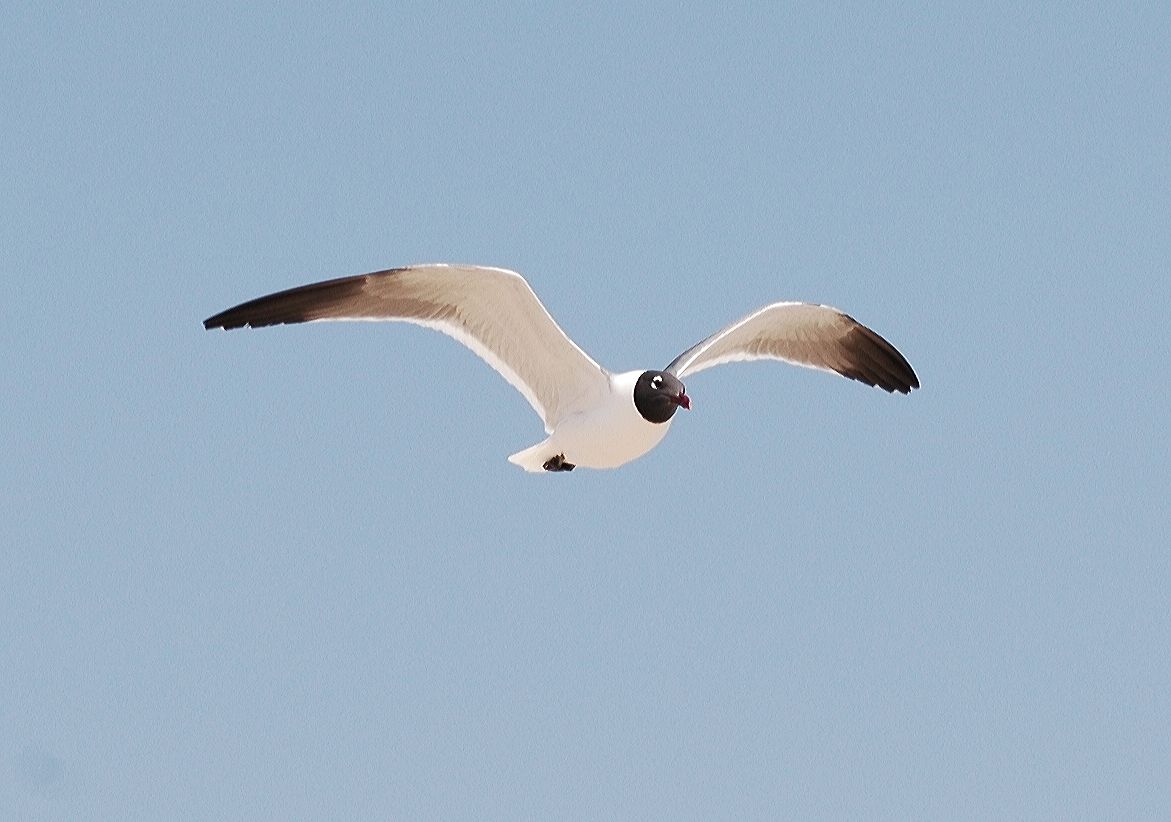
289	573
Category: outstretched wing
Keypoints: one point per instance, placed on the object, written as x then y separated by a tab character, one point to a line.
814	336
492	311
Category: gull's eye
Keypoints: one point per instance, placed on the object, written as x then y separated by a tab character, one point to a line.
656	382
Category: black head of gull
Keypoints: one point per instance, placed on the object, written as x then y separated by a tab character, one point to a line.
658	394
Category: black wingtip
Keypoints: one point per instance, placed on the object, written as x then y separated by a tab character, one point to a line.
294	305
880	363
227	320
222	320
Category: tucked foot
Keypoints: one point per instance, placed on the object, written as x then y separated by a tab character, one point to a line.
558	463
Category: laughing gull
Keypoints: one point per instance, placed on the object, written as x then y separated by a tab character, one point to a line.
594	418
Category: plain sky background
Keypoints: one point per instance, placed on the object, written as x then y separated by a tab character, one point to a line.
288	574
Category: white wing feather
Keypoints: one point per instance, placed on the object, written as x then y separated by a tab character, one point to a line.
813	336
492	311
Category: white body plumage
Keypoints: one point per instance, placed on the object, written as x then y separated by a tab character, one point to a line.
606	435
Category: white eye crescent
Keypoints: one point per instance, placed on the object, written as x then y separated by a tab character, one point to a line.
656	382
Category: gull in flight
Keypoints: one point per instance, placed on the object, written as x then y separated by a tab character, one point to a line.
594	418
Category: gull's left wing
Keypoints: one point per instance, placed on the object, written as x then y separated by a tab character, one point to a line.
813	336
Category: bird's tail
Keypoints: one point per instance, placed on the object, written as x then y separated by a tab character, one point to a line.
534	458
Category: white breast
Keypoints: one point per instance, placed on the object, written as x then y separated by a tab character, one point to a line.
611	434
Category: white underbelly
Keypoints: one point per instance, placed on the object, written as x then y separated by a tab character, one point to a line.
607	437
